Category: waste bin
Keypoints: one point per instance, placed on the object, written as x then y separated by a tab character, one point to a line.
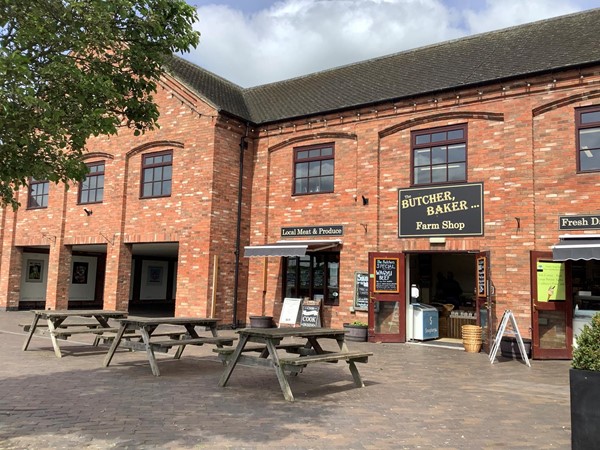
425	322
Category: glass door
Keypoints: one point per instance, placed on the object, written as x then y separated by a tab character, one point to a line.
552	307
387	297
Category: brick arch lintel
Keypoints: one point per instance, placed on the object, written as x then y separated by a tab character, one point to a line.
153	144
311	137
92	155
566	101
441	116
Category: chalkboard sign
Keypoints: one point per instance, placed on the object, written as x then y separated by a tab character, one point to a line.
311	313
361	291
386	275
481	277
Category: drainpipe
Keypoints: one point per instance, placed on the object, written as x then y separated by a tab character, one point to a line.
238	233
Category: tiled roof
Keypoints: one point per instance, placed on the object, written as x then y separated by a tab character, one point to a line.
544	46
222	94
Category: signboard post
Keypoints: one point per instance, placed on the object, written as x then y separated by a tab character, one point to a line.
311	313
508	315
481	277
290	311
361	291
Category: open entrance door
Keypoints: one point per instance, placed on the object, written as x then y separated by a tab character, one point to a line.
552	307
387	297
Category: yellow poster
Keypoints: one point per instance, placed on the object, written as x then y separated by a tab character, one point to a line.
551	281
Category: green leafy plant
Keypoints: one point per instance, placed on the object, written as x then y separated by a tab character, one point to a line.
73	69
358	323
587	354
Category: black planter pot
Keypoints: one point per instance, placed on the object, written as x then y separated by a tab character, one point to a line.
585	413
356	333
509	347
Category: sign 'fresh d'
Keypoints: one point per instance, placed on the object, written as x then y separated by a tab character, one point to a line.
587	222
441	211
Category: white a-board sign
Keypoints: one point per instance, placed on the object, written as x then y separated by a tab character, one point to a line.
290	311
508	316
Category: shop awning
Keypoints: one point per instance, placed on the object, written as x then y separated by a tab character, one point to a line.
290	248
577	247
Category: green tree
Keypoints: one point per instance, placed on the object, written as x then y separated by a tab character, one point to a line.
71	69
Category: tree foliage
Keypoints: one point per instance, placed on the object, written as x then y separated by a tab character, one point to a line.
71	69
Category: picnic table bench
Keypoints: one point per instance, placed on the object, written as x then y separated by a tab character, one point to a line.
58	326
310	352
146	327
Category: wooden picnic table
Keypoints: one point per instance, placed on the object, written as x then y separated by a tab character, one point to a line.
307	352
145	327
58	327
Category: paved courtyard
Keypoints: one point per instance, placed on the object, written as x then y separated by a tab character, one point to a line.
415	397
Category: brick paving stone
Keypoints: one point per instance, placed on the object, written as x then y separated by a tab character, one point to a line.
415	397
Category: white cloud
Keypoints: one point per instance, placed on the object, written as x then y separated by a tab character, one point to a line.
506	13
297	37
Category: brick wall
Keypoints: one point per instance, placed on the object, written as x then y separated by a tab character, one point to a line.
521	145
199	215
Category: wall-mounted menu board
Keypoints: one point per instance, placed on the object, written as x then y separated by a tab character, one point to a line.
361	291
386	275
481	277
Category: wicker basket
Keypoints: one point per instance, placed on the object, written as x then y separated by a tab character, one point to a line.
472	346
470	332
472	338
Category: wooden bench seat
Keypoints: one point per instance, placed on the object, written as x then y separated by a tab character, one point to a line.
192	341
106	338
66	332
131	334
290	348
334	357
27	326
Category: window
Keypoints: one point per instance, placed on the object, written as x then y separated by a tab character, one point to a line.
439	155
313	169
91	190
38	193
313	275
157	173
588	139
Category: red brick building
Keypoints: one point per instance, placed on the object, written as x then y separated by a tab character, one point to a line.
454	168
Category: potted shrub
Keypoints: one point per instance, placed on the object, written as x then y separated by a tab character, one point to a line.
584	378
356	331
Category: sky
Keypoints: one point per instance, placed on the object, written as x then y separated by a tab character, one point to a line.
254	42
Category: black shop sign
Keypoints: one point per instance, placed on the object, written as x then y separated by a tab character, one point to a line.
386	275
482	277
441	211
361	291
317	230
588	222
